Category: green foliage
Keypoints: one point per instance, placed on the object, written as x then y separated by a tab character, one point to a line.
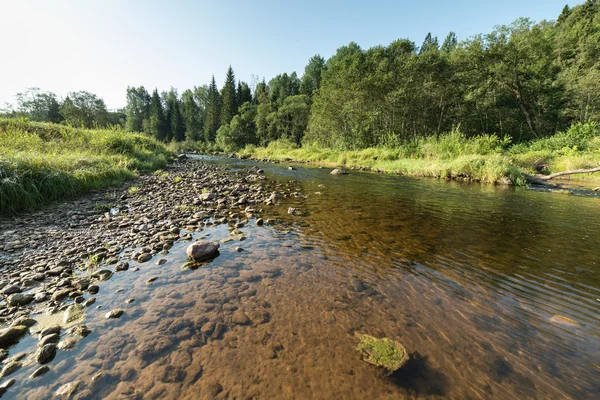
157	124
385	353
84	109
228	98
137	109
42	162
212	120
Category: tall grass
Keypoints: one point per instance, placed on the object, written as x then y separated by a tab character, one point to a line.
42	162
484	158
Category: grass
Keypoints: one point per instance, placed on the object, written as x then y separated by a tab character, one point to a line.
385	353
485	158
43	162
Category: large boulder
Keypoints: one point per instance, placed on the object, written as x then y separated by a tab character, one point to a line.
203	250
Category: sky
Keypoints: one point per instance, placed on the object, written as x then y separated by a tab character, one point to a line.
104	46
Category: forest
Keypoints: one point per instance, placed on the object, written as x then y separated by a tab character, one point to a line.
518	83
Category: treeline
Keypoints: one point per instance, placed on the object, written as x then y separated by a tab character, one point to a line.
523	81
77	109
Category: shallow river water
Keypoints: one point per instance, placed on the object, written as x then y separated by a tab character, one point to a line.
494	291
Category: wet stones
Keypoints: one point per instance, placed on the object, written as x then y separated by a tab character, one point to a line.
4	387
102	275
81	331
114	313
67	343
50	330
46	354
19	299
151	280
9	336
203	250
10	368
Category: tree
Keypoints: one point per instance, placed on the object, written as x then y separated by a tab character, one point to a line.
228	98
137	108
430	43
84	109
156	126
175	120
450	43
243	94
190	111
212	120
241	131
39	105
311	80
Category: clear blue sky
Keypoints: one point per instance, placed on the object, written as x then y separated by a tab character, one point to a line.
103	46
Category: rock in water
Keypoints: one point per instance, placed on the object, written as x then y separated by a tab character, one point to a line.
11	335
338	172
68	389
240	318
46	354
73	313
203	250
114	313
19	299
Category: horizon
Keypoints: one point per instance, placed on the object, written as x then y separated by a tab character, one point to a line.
155	45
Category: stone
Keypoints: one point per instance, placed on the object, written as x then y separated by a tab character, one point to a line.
10	368
51	338
81	330
339	172
68	389
239	318
73	313
67	343
144	257
202	250
50	330
208	196
122	266
114	313
25	321
260	222
46	354
93	289
161	261
294	211
39	372
9	336
19	299
11	289
102	275
61	294
4	387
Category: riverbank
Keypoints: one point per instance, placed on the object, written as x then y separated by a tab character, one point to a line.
485	158
44	162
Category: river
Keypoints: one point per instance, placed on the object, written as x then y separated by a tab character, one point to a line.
494	291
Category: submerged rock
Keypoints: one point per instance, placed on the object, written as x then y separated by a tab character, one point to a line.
73	313
68	389
239	318
385	353
39	372
203	250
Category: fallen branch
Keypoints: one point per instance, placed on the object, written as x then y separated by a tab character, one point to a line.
575	171
536	181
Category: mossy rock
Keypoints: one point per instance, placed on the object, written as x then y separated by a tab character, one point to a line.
385	352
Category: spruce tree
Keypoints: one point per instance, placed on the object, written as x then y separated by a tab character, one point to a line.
212	120
156	123
228	98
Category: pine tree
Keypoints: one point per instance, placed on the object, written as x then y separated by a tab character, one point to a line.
244	94
156	122
430	43
212	120
228	97
177	124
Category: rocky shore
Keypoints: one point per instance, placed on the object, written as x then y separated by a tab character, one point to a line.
55	261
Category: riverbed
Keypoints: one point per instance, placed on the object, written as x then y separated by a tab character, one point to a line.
494	291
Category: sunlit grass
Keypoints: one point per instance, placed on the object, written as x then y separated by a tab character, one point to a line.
42	162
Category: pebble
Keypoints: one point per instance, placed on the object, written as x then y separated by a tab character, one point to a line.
46	354
39	372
